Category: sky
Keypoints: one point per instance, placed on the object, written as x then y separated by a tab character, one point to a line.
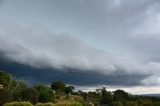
87	43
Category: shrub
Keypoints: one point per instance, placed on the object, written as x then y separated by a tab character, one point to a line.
131	103
45	104
5	96
60	104
75	104
45	94
68	104
18	104
117	103
28	94
89	104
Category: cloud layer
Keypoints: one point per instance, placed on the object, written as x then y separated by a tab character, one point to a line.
117	40
41	49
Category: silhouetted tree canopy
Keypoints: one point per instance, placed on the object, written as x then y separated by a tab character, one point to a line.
106	97
5	78
45	94
120	95
58	86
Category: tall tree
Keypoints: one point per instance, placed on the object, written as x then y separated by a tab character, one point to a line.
106	97
5	78
45	94
69	89
58	86
5	96
120	95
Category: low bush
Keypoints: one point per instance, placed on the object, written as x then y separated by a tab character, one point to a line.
75	104
45	104
60	104
5	96
18	104
68	104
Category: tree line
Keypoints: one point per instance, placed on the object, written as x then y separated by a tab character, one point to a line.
17	90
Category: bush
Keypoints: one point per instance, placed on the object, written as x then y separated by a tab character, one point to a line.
45	94
18	104
75	104
5	96
156	104
89	104
26	94
45	104
60	104
68	104
117	103
131	103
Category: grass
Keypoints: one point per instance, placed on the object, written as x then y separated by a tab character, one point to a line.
44	104
73	100
18	104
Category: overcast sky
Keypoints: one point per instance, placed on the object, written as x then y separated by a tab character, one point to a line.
91	42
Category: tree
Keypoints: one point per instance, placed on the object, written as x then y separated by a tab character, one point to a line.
5	96
45	94
26	94
69	89
118	103
85	96
106	97
131	103
5	78
120	95
16	85
94	97
58	86
32	95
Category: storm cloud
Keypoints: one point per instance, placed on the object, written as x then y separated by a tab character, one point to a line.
108	42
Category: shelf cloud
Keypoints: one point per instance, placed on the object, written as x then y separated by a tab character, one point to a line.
108	42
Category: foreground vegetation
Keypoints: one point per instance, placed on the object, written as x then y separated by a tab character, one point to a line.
43	104
18	93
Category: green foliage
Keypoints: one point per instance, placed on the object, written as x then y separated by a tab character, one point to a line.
94	97
58	86
5	96
131	103
17	85
120	95
26	94
68	104
60	104
18	104
85	96
17	88
45	94
69	89
75	104
5	78
88	104
45	104
32	95
106	97
117	103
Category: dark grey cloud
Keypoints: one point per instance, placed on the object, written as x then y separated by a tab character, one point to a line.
69	75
